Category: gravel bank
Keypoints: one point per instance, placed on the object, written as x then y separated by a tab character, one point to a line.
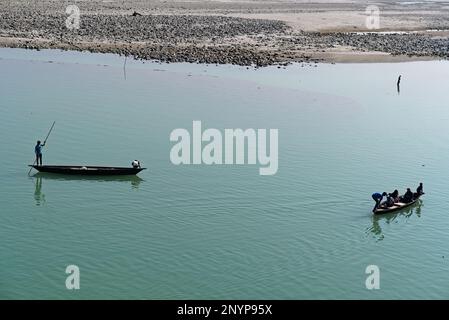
202	37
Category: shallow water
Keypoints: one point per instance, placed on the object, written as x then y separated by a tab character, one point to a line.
210	232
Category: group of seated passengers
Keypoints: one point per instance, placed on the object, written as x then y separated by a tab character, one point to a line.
408	197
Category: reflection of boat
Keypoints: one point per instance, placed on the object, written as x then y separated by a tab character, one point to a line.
88	170
397	206
135	180
376	230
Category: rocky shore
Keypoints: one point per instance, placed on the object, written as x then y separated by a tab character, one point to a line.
198	38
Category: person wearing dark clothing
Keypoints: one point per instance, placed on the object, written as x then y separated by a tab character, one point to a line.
408	196
419	191
38	152
395	195
377	197
390	201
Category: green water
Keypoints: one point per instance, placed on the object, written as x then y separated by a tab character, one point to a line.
222	232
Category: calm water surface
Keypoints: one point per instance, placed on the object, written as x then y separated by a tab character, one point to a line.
222	232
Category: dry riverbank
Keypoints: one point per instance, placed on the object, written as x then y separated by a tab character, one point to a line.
238	32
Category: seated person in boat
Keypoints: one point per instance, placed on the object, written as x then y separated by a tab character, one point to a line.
395	195
136	164
408	196
389	202
419	191
38	152
377	197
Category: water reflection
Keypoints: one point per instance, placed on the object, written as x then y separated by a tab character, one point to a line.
135	181
376	230
39	197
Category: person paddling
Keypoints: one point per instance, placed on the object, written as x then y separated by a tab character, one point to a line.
390	201
377	197
38	152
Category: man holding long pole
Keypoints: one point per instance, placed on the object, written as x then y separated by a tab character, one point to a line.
38	151
38	148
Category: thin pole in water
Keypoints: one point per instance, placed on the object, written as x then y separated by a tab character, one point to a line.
124	67
45	141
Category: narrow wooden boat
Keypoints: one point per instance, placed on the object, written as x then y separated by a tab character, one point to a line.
396	207
88	170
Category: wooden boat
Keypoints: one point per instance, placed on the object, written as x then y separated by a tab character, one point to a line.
89	170
397	206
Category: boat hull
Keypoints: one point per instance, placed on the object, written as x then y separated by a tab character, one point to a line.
397	206
89	170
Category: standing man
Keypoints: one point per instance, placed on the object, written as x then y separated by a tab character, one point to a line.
38	152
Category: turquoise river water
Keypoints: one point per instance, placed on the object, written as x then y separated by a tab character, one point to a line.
222	232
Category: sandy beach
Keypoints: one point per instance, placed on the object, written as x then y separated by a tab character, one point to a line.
257	33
